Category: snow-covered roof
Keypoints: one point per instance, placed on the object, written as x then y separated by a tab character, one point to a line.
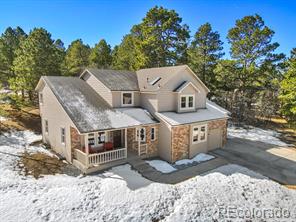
141	115
88	110
211	112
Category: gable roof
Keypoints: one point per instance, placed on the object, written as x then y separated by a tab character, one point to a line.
87	109
183	85
115	80
163	75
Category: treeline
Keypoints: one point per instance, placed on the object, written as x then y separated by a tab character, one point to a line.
254	81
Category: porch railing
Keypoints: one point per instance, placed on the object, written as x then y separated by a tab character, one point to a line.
143	149
80	156
105	157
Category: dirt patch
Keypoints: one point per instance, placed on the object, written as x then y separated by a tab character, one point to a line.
25	118
38	164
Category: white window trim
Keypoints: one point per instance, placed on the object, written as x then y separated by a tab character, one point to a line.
62	127
96	139
187	102
154	133
122	98
41	98
46	132
138	135
199	134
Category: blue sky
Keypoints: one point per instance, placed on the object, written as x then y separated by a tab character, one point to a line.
93	20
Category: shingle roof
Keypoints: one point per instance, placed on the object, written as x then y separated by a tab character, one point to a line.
164	74
117	80
88	111
180	87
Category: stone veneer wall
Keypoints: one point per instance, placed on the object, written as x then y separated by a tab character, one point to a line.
219	124
152	146
131	139
75	140
181	138
180	142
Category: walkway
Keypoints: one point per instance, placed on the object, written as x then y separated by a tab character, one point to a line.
177	176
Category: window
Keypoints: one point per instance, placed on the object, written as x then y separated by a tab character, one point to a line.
41	98
187	102
46	126
91	140
63	135
101	138
199	134
183	102
190	101
141	134
127	99
97	139
152	133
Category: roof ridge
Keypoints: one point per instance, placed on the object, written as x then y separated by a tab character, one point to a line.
173	66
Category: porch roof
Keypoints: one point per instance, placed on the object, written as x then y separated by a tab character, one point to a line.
211	112
88	110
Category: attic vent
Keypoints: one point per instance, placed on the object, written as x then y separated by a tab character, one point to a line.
153	82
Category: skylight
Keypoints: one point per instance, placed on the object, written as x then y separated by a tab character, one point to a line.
153	82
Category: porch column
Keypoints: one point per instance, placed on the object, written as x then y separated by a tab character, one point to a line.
86	149
125	139
138	138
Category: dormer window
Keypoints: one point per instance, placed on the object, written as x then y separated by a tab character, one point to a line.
127	99
186	102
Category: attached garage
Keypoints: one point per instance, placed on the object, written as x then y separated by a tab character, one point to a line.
215	139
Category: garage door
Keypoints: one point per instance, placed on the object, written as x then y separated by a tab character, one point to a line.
215	139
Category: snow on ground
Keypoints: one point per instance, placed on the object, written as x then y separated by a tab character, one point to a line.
166	167
256	134
161	166
121	194
5	91
198	159
2	119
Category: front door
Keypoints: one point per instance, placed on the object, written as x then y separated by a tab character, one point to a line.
117	138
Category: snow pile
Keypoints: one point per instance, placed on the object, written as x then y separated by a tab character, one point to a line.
161	166
5	91
202	157
256	134
2	119
121	194
165	167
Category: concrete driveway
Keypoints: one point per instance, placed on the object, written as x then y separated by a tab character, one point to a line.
277	163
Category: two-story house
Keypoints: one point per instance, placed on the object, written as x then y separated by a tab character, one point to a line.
102	117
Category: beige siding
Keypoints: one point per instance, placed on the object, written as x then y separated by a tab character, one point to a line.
100	88
116	98
149	101
167	101
187	76
164	142
53	112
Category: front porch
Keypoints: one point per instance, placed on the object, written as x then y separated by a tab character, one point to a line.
103	149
